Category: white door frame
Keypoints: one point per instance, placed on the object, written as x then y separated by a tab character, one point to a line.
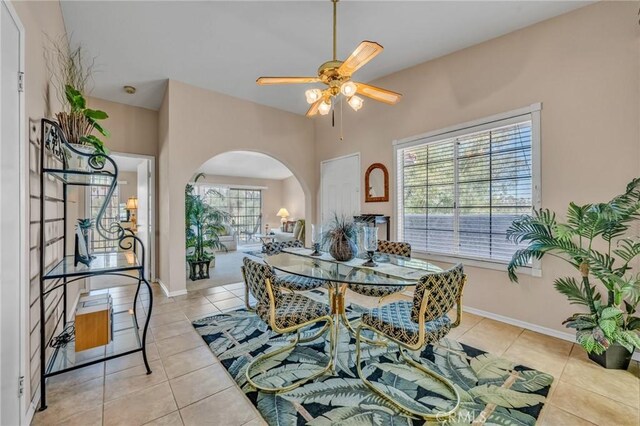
323	162
151	250
24	214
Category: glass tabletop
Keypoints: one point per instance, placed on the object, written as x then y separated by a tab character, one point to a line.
103	263
391	269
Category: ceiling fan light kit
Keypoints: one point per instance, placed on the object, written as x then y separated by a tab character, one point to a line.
336	75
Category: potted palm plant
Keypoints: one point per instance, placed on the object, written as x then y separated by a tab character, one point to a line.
204	224
594	241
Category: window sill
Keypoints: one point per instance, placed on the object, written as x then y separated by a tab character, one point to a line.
534	271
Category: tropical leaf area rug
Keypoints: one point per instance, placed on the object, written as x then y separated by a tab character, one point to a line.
492	390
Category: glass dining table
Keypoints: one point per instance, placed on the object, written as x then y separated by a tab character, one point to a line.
391	270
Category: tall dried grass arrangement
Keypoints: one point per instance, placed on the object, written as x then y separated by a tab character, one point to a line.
68	66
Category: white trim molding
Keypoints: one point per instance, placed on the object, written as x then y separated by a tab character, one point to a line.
171	293
530	113
569	337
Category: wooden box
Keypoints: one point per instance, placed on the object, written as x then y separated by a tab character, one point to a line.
93	322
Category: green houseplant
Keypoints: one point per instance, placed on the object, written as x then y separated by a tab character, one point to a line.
203	226
78	125
70	72
594	241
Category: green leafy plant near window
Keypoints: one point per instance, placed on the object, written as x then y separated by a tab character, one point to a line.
203	225
594	241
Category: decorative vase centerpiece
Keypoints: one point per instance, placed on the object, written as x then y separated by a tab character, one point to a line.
81	252
341	239
370	244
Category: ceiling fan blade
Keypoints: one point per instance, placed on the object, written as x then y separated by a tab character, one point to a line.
378	94
262	81
366	51
313	110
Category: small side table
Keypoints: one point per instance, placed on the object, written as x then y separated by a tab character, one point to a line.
266	239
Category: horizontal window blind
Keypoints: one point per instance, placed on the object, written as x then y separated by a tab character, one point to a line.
458	195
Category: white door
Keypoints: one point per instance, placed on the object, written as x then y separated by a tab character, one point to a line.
144	218
340	187
11	244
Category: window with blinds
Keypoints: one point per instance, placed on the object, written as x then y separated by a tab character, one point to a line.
459	192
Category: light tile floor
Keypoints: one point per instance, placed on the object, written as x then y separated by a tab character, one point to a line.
189	386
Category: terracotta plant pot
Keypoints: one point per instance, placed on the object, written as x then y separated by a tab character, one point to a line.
342	249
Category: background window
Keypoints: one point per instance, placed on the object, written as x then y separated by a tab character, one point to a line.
97	197
458	193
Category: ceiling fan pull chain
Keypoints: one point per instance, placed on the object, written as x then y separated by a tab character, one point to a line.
333	117
341	120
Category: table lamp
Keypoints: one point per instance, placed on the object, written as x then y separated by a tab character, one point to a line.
132	206
284	214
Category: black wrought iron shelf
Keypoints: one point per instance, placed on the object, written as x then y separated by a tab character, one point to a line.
82	177
103	263
127	339
129	335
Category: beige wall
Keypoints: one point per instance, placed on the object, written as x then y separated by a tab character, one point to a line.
293	198
134	130
584	68
197	124
38	19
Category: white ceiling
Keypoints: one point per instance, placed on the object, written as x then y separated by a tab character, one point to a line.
225	46
245	164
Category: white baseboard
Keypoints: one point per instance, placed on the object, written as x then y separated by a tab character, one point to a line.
31	411
570	337
171	293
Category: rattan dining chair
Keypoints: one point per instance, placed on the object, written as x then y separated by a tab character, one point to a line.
291	282
413	325
284	313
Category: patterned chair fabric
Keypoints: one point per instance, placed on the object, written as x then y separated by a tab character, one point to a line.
294	309
388	247
290	309
256	275
444	290
399	320
290	281
277	246
394	320
398	248
297	283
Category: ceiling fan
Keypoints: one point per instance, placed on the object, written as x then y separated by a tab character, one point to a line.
336	75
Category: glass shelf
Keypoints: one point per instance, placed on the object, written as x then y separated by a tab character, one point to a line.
82	177
126	338
103	263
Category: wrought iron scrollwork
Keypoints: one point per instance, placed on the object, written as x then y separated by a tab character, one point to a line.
100	165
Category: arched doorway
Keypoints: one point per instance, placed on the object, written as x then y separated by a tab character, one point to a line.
251	198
